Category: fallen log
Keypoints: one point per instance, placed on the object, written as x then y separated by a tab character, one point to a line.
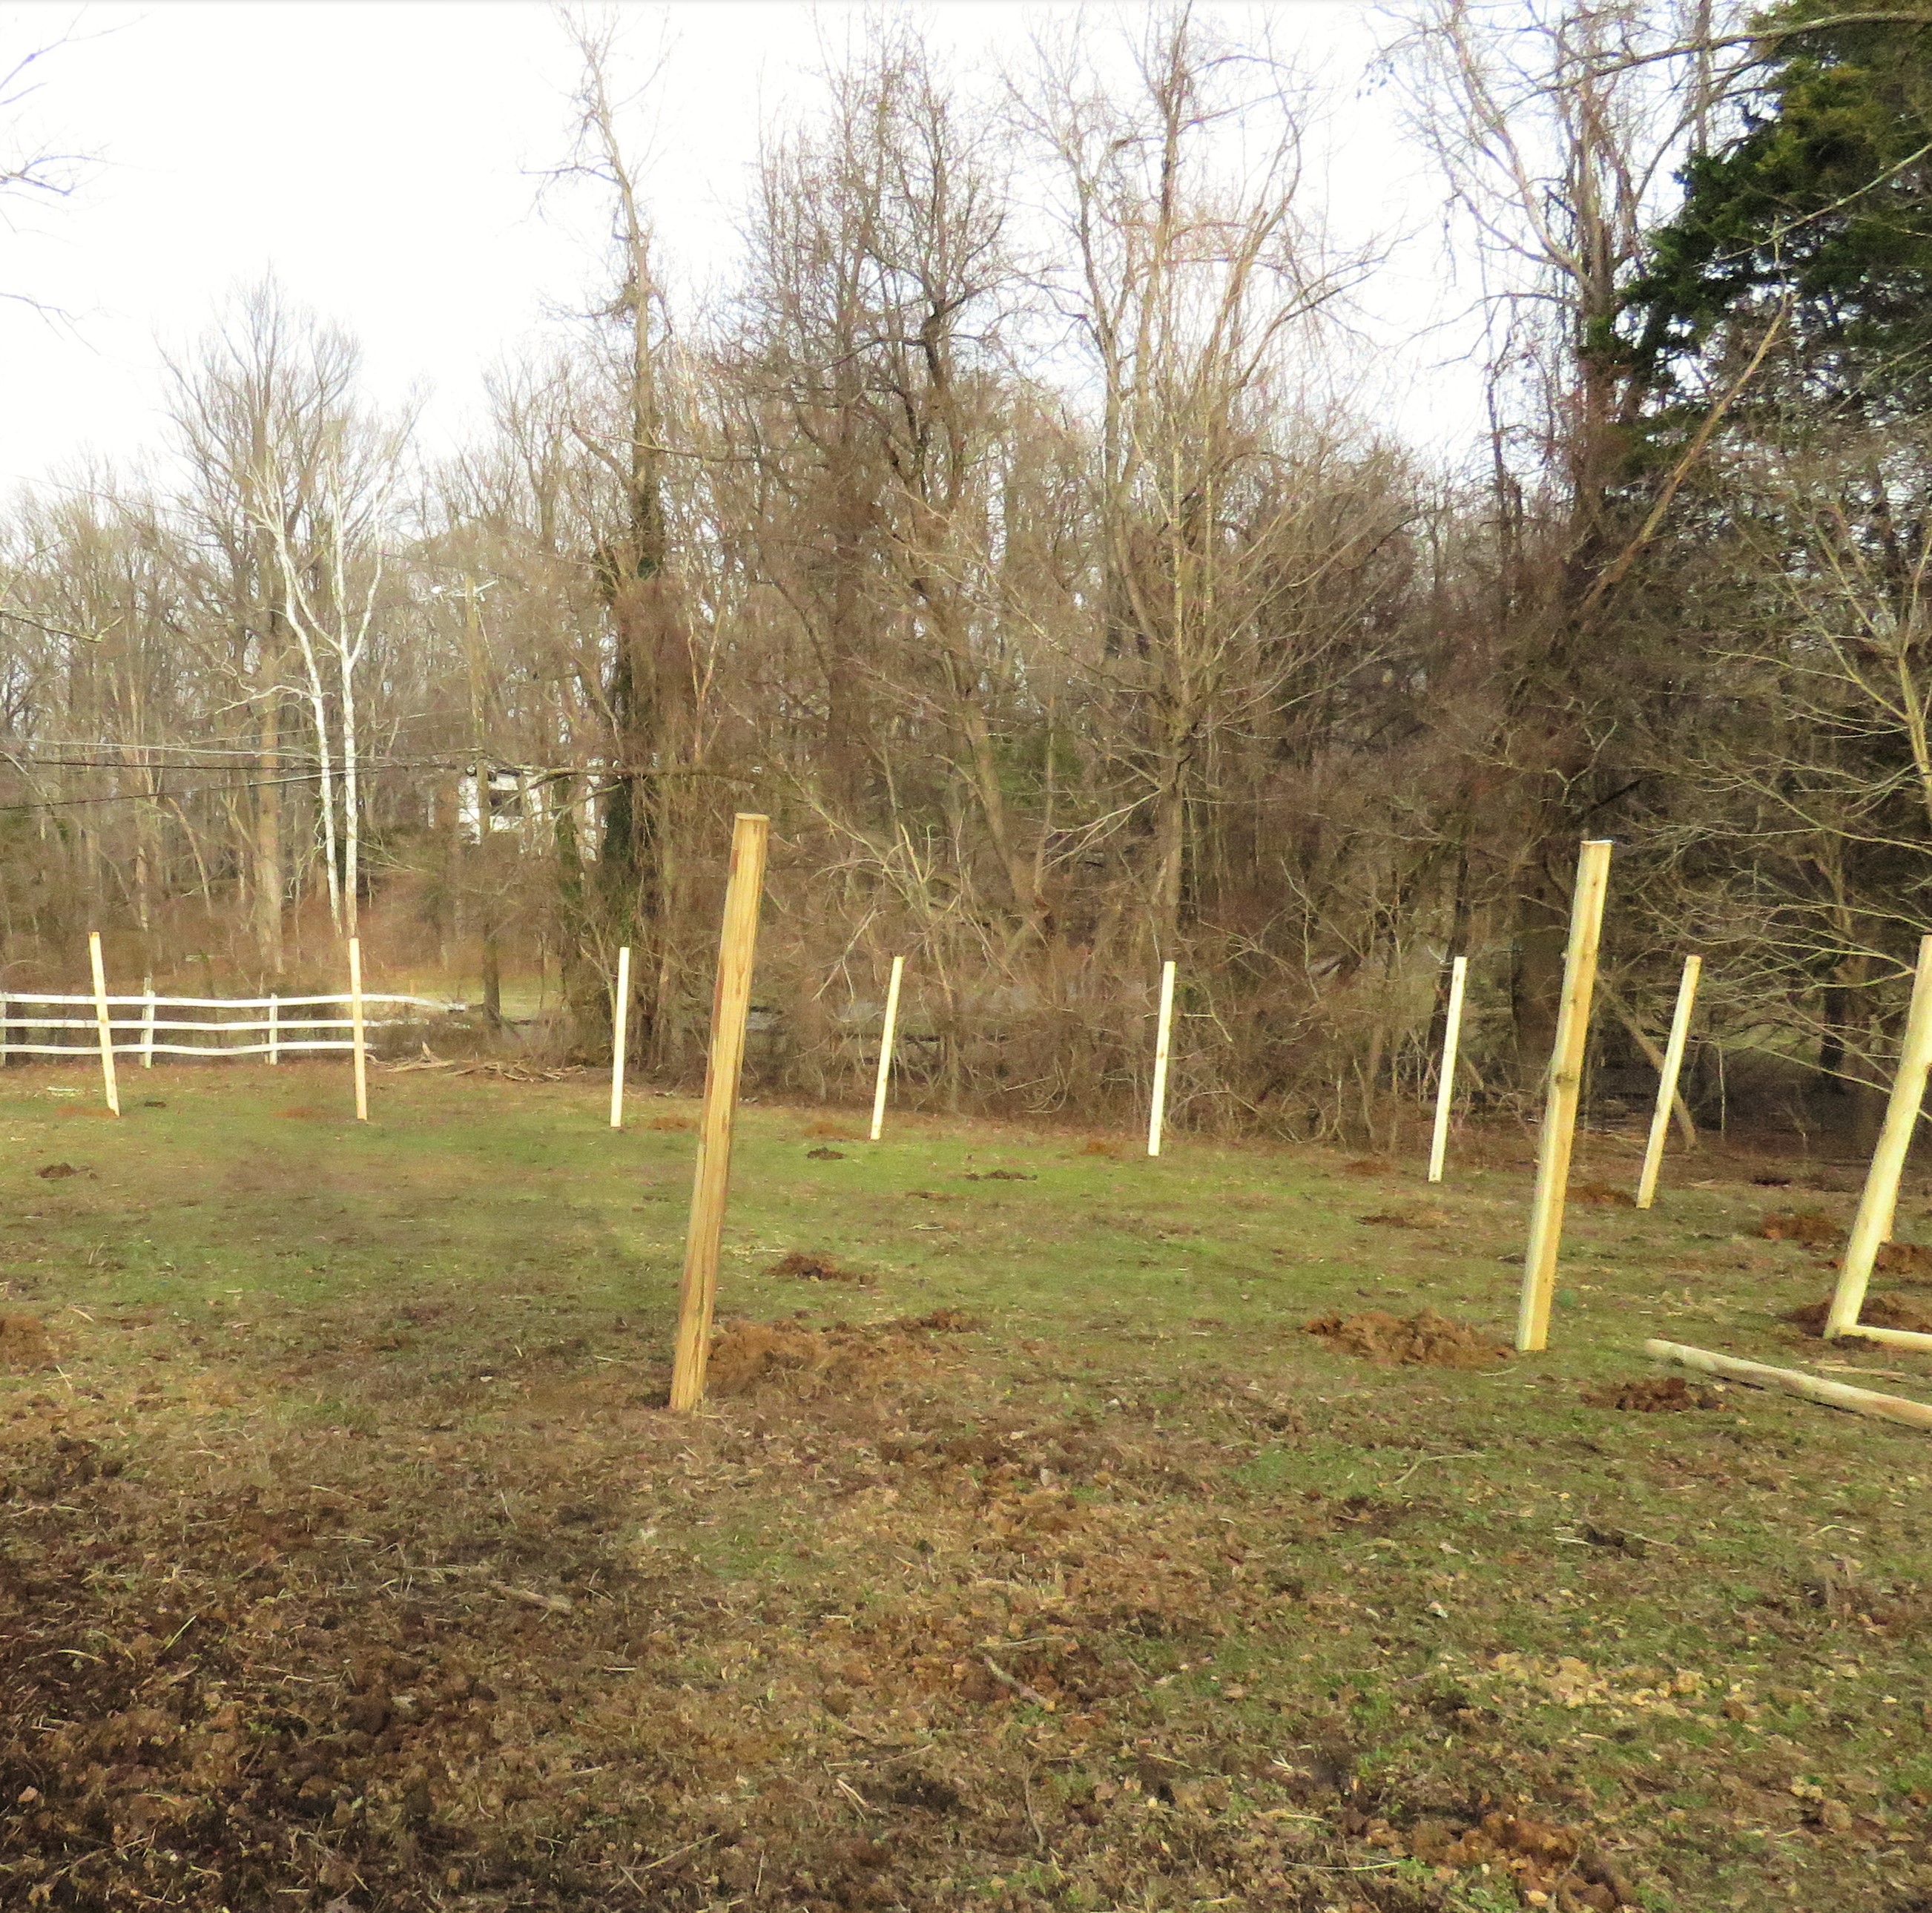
1793	1381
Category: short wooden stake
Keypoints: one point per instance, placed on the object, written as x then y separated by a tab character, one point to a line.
104	1023
888	1030
147	1022
731	999
1794	1381
1666	1081
620	1033
355	1027
274	1030
1445	1083
1162	1044
1871	1227
1565	1087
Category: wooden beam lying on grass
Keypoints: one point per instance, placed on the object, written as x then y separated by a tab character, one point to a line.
1794	1381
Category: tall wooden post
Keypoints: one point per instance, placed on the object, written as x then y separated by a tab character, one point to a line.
1666	1083
1162	1043
887	1032
1871	1226
620	1035
731	998
1445	1082
103	1022
1565	1088
356	1031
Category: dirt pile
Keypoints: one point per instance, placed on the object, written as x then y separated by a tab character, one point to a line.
23	1342
806	1266
56	1172
1810	1228
1421	1217
1879	1312
1000	1176
1601	1195
1652	1395
1911	1260
749	1357
824	1154
1424	1339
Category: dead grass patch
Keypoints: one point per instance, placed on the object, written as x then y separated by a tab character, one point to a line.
23	1342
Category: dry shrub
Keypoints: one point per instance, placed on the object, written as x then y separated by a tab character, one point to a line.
1653	1394
23	1342
1879	1312
1425	1340
1811	1228
1602	1194
806	1266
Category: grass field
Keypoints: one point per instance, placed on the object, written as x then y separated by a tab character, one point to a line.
349	1559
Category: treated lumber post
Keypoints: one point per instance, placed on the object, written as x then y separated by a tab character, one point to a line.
356	1029
1445	1083
731	999
1793	1381
885	1036
1162	1043
103	1022
1666	1082
1871	1227
620	1032
274	1030
1565	1086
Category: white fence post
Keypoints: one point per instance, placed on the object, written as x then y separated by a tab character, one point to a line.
6	1033
274	1030
355	1027
148	1023
103	1022
620	1035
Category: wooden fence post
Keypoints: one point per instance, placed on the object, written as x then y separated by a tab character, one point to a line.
620	1032
1666	1081
731	999
1871	1227
1565	1088
1445	1083
887	1031
1162	1043
274	1030
147	1022
104	1023
356	1025
6	1033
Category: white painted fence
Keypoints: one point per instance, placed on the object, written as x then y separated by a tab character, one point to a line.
280	1032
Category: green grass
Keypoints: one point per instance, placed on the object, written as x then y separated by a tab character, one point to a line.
1439	1593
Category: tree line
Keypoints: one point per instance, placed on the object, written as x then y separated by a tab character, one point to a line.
1005	528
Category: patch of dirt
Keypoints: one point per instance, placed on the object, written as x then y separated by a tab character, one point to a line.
23	1342
672	1122
830	1132
1653	1394
1424	1339
824	1154
1368	1166
1771	1178
1910	1259
806	1265
1420	1218
1537	1857
1603	1195
56	1172
946	1321
1000	1176
1101	1146
748	1357
1810	1228
305	1112
1879	1312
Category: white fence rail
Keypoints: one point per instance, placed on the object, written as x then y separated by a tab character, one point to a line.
280	1032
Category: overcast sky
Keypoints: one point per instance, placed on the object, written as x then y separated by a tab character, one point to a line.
383	161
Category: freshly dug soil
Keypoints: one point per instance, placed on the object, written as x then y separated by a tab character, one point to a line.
822	1154
56	1172
1000	1176
1425	1340
1903	1258
1810	1227
1879	1312
807	1266
23	1342
1602	1195
1653	1394
1422	1217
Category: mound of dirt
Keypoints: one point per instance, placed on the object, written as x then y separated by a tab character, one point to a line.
1879	1312
23	1342
1903	1258
1653	1394
1811	1228
946	1321
1771	1179
1100	1146
1422	1217
748	1357
806	1266
56	1172
1425	1340
823	1155
1368	1166
1602	1194
1000	1176
829	1132
672	1122
305	1112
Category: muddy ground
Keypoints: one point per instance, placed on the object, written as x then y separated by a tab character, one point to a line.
1038	1558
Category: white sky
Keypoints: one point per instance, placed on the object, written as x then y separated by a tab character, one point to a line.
381	159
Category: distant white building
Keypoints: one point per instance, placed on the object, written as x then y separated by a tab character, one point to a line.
514	798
